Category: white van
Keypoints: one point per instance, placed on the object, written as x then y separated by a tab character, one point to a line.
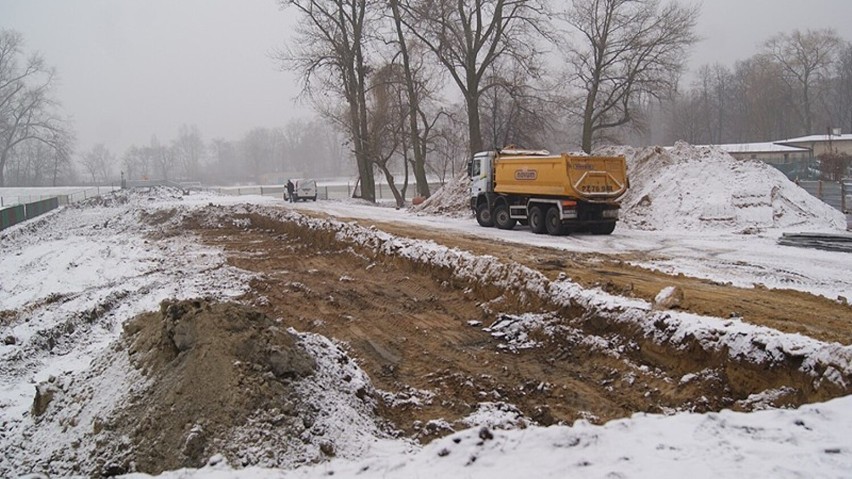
305	190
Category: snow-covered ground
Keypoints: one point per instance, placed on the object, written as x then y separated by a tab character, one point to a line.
90	269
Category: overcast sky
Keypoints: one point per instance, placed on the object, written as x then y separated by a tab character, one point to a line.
130	69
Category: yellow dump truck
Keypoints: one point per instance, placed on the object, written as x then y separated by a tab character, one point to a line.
554	194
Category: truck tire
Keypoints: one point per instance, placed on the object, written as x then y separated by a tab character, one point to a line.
553	223
502	218
483	215
536	219
602	228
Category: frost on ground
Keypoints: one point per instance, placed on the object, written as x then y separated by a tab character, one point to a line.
704	188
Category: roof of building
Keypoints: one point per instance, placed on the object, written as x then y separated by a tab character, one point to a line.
760	148
817	139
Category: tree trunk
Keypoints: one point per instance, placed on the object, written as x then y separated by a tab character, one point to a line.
400	201
413	109
589	113
3	157
473	123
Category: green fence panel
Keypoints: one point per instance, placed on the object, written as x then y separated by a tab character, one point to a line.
41	207
12	216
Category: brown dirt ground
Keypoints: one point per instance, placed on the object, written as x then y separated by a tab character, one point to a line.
408	328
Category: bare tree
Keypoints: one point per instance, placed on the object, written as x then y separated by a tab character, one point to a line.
27	111
161	158
256	148
330	54
446	141
469	37
189	151
805	58
387	122
98	163
838	101
516	112
626	48
416	91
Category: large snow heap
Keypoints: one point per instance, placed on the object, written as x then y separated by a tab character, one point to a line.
704	188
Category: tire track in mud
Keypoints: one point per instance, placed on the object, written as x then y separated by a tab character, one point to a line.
409	326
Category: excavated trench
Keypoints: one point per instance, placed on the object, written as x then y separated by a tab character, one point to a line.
419	325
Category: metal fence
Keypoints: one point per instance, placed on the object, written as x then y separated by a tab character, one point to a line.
65	195
16	214
334	191
830	192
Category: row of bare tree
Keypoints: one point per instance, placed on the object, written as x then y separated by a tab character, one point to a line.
800	83
310	148
389	72
414	86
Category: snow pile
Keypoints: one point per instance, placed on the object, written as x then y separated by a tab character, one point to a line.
453	199
704	188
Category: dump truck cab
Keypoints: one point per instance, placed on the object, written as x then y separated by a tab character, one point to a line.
481	172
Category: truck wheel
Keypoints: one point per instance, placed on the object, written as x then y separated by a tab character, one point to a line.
536	219
602	228
553	223
502	218
483	215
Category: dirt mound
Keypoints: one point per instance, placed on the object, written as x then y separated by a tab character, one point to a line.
451	200
201	381
214	366
704	188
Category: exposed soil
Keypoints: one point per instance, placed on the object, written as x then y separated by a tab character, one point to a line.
214	366
789	311
418	332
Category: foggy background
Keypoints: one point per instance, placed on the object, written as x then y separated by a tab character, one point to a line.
140	72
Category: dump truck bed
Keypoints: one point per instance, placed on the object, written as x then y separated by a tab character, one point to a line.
590	178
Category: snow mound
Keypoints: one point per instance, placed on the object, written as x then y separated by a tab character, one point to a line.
450	200
704	188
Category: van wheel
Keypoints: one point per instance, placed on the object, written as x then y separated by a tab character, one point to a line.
536	219
502	218
553	223
483	215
